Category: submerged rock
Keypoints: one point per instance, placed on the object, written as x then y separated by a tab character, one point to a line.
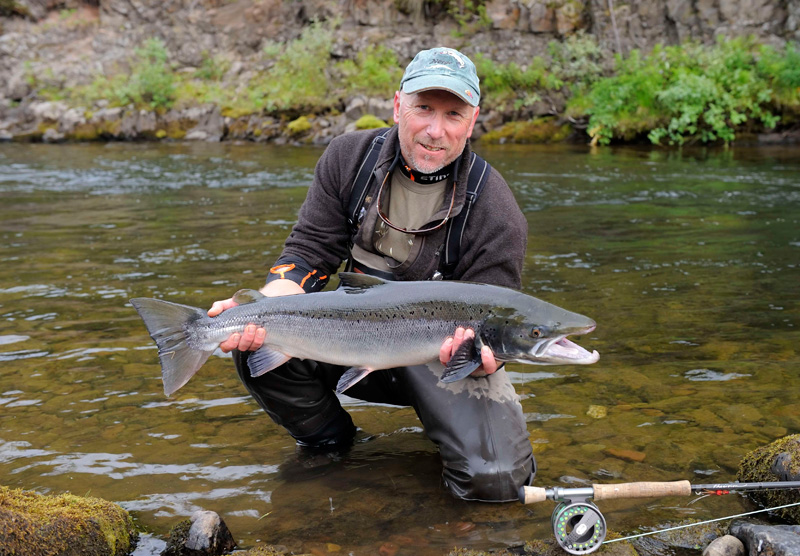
68	525
779	461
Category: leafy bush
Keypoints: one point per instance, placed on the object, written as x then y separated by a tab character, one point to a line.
574	64
681	93
150	82
781	67
152	79
299	77
508	86
374	72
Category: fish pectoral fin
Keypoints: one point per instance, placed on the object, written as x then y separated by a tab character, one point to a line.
350	377
264	360
243	297
464	362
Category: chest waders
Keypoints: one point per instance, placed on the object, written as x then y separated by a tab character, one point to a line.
477	425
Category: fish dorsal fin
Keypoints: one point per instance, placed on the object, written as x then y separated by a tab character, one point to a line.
355	282
243	297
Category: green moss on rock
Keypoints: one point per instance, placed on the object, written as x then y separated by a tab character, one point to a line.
68	525
779	461
539	130
369	121
298	126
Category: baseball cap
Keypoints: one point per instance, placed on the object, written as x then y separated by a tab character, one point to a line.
443	68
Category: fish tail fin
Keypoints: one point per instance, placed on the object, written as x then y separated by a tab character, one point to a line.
350	377
169	325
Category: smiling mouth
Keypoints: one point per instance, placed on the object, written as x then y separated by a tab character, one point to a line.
431	148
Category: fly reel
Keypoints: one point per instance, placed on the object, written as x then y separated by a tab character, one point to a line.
579	527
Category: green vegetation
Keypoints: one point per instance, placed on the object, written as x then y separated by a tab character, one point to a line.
673	95
573	66
150	82
693	93
300	77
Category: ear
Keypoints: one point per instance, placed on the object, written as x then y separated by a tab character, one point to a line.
397	107
474	120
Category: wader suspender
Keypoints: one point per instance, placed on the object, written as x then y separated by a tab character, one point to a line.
479	171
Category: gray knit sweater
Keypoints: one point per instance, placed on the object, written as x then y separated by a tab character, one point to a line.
492	247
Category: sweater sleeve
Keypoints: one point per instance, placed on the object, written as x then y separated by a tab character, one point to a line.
494	243
319	240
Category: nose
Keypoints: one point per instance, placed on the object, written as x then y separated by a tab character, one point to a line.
436	127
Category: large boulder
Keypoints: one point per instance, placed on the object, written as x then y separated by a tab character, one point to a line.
34	525
779	461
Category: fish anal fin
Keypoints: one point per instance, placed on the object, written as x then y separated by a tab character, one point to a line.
350	377
264	360
464	362
354	282
243	297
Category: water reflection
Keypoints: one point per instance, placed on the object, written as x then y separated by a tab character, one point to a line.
688	262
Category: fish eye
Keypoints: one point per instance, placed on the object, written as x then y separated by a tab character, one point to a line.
536	333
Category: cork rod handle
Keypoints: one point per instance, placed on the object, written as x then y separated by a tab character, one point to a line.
642	490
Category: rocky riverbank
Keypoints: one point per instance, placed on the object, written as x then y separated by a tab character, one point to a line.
50	48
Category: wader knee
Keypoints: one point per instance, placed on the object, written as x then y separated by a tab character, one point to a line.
480	430
297	396
480	480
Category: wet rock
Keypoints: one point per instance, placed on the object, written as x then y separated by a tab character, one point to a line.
726	545
210	124
779	461
768	540
204	534
687	538
597	411
66	525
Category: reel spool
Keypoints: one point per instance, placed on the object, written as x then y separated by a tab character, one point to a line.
579	527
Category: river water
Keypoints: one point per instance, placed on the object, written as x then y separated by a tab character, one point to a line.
688	261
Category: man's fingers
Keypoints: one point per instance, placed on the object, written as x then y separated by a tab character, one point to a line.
446	351
218	306
231	343
490	364
259	339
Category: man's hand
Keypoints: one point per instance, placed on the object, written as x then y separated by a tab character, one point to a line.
253	336
450	345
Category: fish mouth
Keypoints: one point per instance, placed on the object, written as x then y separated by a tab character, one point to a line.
560	350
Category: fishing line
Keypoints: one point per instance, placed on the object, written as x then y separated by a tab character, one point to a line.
700	523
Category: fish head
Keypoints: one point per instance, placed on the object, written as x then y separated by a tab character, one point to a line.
536	332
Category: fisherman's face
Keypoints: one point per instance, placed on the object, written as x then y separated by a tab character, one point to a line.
433	128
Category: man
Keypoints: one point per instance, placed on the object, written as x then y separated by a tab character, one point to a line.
419	184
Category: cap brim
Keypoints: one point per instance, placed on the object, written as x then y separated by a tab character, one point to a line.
445	83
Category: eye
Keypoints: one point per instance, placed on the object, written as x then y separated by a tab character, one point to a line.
536	333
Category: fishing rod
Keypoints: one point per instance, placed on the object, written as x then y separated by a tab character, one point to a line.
580	528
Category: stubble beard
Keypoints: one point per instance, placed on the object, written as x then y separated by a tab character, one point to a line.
424	163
